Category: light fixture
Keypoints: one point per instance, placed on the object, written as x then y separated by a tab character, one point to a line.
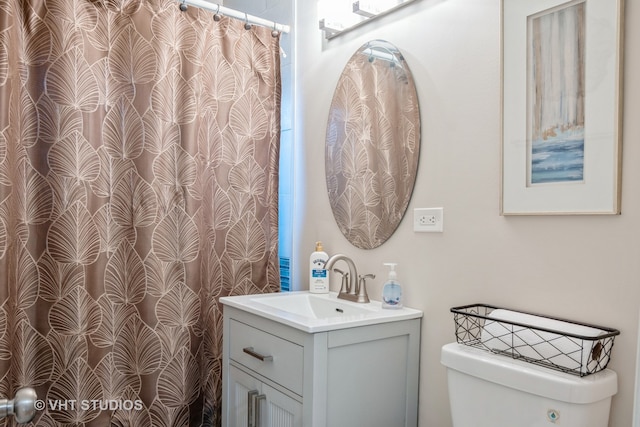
371	8
336	17
363	10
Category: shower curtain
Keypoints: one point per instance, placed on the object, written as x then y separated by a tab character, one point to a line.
138	184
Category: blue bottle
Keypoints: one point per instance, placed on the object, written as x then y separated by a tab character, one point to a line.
392	291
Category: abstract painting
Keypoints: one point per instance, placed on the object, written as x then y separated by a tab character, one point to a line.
561	106
556	95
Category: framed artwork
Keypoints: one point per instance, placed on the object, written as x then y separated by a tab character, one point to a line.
561	106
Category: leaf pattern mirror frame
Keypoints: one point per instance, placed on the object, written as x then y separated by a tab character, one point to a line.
372	144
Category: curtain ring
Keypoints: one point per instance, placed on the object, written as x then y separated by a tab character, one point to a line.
216	16
183	6
247	25
275	32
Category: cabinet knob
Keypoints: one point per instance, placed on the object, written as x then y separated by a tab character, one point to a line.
22	406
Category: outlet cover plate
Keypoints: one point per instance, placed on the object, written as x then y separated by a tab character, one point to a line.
428	220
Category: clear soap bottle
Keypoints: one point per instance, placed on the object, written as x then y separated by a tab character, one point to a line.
392	291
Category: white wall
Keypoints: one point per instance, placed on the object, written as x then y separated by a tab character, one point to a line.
585	268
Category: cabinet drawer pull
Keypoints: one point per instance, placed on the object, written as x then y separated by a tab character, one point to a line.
258	410
261	357
251	408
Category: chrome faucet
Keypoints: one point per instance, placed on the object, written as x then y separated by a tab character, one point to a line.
344	282
355	291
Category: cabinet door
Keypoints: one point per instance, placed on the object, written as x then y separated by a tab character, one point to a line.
281	410
240	385
272	408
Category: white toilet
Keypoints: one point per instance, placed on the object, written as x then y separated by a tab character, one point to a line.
490	390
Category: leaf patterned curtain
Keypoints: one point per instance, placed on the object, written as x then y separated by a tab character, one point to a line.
138	184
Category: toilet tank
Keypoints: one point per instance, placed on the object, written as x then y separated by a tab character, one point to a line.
490	390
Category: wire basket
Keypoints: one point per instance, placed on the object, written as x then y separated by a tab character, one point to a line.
560	344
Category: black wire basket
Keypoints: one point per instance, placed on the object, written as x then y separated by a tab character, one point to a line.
563	345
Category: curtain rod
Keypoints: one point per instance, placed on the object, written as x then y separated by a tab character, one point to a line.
236	14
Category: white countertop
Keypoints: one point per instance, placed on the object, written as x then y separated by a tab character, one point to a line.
317	312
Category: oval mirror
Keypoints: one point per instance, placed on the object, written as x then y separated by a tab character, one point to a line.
372	144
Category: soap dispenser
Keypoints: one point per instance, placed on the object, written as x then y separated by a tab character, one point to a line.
392	292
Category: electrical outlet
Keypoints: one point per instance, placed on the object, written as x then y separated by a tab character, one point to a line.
428	220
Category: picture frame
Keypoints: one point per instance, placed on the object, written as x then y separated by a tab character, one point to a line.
561	106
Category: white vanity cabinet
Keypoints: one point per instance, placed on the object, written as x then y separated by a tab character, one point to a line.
276	375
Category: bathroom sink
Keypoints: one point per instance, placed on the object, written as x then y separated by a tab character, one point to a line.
317	312
313	306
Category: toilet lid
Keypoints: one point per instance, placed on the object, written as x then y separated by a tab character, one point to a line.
529	378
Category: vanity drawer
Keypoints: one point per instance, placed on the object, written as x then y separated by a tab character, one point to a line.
273	357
